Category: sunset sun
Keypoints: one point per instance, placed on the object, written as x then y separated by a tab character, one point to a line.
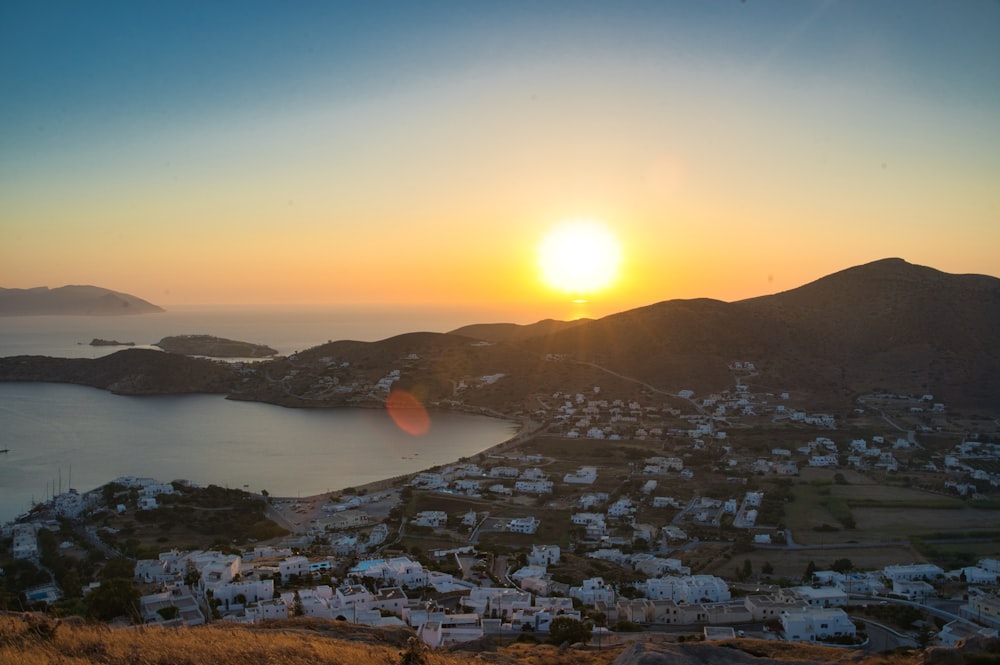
579	257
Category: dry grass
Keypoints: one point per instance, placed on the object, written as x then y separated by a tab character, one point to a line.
34	639
28	639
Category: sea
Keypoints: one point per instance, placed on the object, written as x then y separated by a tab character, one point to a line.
60	436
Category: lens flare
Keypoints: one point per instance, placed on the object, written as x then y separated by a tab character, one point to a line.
408	413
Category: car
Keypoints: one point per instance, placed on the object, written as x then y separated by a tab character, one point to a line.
741	633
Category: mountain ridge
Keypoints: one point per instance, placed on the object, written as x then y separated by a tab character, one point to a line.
883	326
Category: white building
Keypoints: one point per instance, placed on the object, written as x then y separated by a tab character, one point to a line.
533	486
914	571
816	624
544	555
431	518
687	589
824	596
397	571
523	525
584	476
25	545
592	591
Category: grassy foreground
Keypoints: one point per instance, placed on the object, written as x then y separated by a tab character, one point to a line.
37	640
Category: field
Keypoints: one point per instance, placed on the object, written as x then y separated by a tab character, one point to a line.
858	510
792	564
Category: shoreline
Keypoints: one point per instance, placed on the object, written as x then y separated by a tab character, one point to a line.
529	429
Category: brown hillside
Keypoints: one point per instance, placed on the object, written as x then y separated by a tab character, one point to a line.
887	324
129	372
30	638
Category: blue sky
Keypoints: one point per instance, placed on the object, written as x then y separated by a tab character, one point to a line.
815	122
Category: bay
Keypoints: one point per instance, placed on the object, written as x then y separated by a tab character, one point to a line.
60	434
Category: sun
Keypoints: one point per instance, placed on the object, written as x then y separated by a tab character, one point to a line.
579	257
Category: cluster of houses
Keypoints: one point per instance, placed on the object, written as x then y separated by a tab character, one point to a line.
472	480
390	591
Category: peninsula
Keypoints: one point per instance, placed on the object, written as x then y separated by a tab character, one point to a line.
214	347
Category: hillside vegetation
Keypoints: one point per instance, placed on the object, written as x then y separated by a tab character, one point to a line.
32	638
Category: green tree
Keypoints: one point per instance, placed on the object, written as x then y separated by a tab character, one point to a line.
118	567
842	565
568	629
114	598
169	612
810	570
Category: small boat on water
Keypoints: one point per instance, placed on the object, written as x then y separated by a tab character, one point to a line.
4	450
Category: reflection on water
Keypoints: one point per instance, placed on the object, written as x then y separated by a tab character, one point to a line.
58	434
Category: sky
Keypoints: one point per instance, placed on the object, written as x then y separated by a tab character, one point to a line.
419	152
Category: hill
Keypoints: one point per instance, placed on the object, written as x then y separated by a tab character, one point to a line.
884	327
128	372
213	347
36	639
72	300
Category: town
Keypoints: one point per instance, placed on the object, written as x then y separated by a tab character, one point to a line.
730	514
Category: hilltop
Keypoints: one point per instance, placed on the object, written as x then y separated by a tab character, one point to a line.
72	300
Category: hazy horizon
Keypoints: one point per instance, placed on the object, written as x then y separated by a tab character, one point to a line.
255	153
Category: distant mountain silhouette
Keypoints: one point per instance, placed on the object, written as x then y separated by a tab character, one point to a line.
885	326
506	332
71	300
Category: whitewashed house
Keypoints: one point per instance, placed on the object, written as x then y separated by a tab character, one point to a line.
816	624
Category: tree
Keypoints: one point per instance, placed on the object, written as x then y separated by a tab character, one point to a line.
169	612
119	567
924	635
114	598
568	630
842	565
747	568
810	571
767	568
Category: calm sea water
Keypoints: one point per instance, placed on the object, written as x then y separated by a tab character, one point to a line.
89	437
284	328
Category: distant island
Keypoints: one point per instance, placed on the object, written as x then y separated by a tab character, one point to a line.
97	341
214	347
888	327
72	301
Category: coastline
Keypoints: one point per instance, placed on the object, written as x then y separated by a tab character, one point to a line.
529	429
253	435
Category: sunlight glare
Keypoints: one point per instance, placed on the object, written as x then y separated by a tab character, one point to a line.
579	257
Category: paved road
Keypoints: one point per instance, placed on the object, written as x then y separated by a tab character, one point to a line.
277	517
